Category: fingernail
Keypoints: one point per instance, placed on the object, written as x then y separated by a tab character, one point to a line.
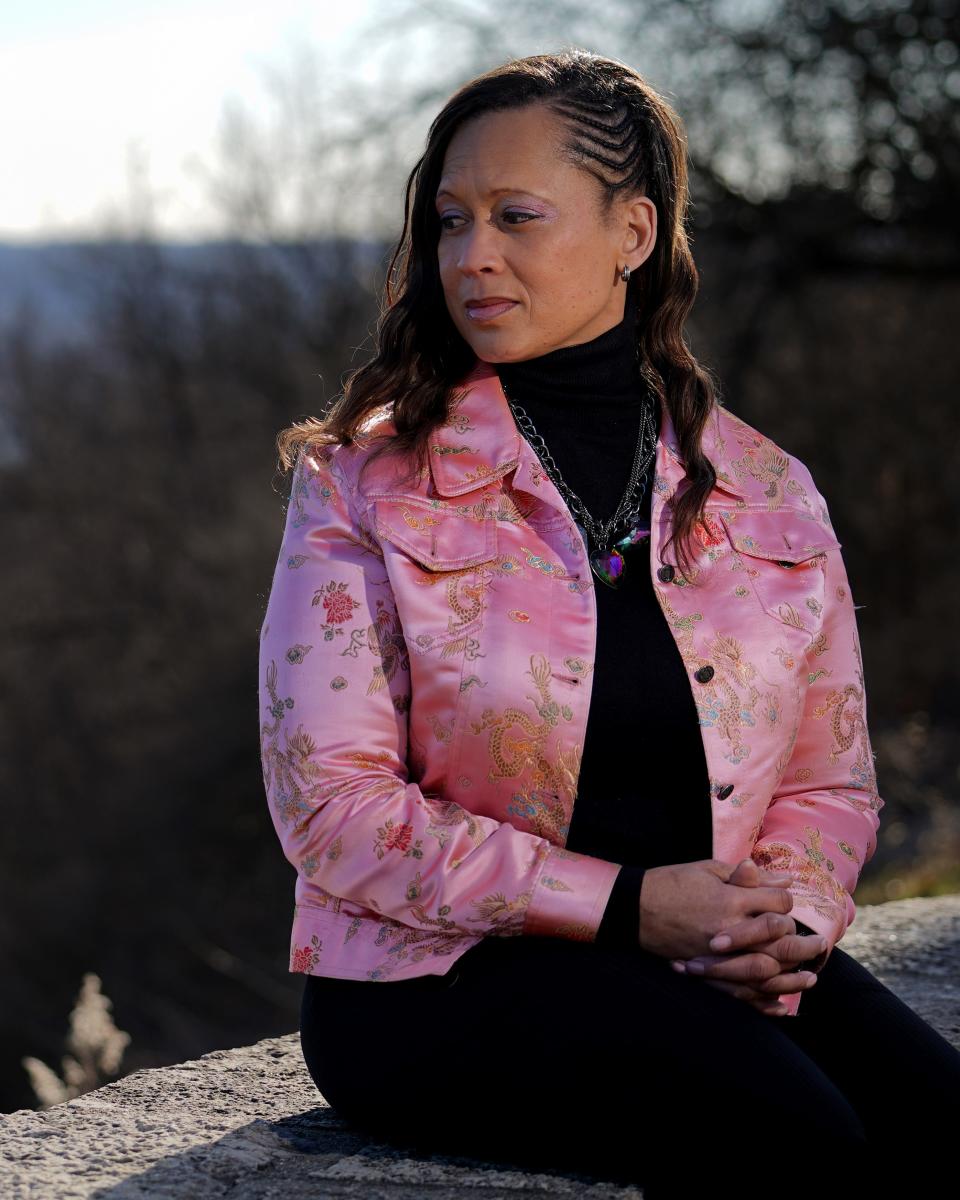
721	941
696	968
678	965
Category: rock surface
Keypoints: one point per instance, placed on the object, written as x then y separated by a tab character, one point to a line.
250	1123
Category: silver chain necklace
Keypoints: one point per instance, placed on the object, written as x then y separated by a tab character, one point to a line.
606	555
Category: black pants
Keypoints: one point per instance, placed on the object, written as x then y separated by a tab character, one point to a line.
570	1056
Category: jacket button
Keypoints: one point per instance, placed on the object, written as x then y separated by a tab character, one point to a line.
724	791
703	674
665	573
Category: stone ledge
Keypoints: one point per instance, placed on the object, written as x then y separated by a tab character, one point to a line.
250	1123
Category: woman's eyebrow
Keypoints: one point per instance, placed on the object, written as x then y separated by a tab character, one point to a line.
494	192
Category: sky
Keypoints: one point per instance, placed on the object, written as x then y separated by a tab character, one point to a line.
82	82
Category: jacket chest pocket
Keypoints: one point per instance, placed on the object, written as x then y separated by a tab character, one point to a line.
783	553
435	556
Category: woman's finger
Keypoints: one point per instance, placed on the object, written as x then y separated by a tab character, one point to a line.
760	971
766	927
747	874
769	1005
750	967
740	990
784	942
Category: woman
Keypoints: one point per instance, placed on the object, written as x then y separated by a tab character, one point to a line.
561	682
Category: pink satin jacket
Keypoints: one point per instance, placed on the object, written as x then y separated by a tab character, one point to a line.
425	680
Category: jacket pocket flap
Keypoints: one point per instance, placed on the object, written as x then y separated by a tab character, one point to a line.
786	535
438	539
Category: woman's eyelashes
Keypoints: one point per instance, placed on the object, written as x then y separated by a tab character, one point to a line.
510	212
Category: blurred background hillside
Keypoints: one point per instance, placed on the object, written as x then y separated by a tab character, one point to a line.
194	227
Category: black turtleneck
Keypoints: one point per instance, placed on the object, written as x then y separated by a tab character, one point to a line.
641	809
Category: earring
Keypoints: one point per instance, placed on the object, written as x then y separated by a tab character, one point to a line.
625	274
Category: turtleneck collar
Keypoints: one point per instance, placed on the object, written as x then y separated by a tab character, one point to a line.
586	401
602	372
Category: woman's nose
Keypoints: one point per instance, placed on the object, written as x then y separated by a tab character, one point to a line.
478	250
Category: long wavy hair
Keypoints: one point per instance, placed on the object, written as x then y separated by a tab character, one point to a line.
617	128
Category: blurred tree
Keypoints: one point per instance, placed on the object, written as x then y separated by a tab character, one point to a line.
850	96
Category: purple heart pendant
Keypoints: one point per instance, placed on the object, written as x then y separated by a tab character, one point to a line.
607	565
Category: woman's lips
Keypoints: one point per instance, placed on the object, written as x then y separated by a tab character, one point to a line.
486	312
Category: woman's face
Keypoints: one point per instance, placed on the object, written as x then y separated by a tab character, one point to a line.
519	223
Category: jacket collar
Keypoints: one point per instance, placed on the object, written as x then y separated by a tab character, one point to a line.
480	442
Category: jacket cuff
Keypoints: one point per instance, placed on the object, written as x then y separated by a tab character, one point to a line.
570	895
621	918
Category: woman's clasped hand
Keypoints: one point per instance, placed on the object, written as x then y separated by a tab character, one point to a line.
679	905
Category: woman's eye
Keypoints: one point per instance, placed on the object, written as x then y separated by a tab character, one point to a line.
510	212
